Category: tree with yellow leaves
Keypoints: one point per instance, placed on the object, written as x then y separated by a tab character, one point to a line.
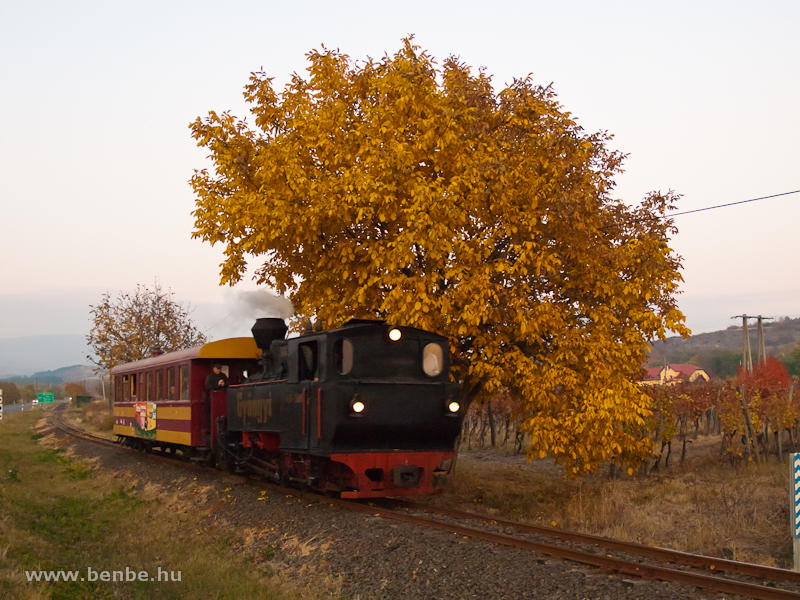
399	190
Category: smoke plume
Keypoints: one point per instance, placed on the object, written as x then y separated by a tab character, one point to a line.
249	306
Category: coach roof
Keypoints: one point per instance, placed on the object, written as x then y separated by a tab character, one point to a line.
242	347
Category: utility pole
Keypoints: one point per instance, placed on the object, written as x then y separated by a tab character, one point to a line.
762	350
747	356
747	365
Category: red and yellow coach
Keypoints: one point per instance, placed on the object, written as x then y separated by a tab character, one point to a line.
161	400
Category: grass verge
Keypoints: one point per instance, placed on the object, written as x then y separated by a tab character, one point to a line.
59	514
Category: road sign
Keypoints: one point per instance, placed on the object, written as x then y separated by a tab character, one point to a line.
45	397
795	506
796	494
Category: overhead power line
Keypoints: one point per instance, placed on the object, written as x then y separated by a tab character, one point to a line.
688	212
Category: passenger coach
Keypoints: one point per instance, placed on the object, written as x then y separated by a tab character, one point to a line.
161	401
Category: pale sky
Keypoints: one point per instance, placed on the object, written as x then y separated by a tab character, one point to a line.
97	97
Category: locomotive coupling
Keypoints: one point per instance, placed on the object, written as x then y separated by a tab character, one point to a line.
405	476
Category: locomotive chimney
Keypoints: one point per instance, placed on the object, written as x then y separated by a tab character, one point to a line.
265	331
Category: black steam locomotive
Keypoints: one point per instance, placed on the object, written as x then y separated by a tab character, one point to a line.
366	410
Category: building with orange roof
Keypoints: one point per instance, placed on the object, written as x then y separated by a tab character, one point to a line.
673	374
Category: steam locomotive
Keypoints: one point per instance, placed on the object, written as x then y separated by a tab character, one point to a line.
363	411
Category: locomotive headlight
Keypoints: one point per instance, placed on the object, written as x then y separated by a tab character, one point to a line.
453	407
394	334
356	407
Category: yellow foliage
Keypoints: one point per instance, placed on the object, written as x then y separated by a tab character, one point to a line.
395	189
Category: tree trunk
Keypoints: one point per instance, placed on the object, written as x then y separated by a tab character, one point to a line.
765	440
491	424
519	440
658	460
474	422
778	441
452	470
749	429
669	451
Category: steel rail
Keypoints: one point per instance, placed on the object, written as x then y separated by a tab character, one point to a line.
609	563
662	554
58	423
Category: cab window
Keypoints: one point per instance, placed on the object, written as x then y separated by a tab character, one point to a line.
343	356
432	359
307	361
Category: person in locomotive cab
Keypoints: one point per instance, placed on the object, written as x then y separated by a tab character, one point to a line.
216	380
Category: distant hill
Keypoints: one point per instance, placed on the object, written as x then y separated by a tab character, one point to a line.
24	356
62	375
720	352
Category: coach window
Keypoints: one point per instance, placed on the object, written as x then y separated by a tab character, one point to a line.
307	358
126	388
183	374
133	387
160	384
343	356
171	384
149	396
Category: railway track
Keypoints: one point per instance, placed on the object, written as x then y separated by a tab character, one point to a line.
57	420
631	559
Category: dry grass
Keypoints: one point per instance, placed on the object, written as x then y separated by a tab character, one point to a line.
707	506
95	417
59	513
